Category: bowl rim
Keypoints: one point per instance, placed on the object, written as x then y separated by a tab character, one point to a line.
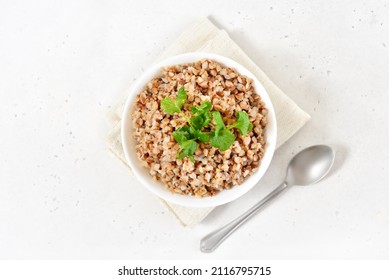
224	196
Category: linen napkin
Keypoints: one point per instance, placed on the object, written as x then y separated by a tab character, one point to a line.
206	37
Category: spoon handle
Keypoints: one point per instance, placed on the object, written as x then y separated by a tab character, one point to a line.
210	242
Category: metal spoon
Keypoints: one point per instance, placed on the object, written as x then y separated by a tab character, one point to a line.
306	168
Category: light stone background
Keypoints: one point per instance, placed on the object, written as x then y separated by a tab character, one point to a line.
63	64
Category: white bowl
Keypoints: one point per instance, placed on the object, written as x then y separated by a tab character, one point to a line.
157	187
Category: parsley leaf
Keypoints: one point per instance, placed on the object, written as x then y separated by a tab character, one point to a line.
196	122
187	148
203	108
181	135
203	136
184	129
203	116
200	135
200	121
217	118
242	123
223	140
181	97
207	118
169	106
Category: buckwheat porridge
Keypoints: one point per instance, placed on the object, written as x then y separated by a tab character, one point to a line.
200	128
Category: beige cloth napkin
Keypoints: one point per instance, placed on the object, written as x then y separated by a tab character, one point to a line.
205	36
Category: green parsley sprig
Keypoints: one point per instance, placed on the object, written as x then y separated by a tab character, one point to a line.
198	126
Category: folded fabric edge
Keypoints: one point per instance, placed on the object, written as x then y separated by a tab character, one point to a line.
185	219
187	41
170	209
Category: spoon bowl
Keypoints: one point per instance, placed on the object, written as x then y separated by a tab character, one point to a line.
310	165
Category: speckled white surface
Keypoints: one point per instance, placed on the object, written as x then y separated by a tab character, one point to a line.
63	64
